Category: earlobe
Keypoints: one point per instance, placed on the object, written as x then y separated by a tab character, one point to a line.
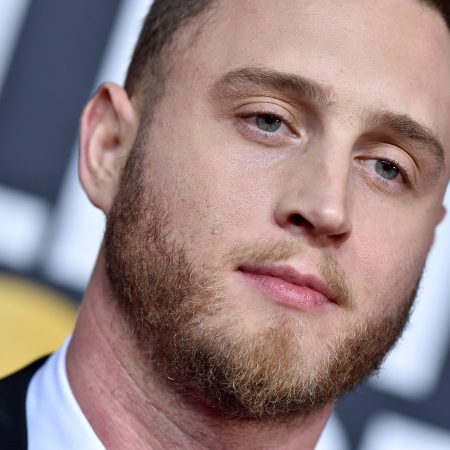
108	129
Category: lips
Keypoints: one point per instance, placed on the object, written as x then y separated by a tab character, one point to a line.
288	286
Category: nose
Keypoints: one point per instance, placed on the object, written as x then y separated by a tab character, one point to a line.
316	200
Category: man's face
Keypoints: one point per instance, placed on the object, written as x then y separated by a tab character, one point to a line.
273	226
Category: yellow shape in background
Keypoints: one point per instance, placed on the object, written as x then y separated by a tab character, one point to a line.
34	321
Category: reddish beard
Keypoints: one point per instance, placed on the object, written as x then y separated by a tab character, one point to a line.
172	308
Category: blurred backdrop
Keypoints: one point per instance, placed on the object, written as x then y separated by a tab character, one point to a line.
53	55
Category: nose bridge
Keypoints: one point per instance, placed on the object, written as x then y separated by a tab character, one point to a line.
318	195
328	206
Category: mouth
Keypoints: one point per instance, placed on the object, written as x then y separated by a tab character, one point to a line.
289	287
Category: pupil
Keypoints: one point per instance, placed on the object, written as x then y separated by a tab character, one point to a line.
386	170
268	123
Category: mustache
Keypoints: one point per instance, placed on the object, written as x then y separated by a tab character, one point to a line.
265	252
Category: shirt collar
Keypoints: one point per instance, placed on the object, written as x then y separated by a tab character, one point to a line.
54	418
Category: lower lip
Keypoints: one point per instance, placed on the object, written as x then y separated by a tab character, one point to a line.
288	294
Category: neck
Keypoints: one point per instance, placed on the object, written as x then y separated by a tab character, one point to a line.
128	406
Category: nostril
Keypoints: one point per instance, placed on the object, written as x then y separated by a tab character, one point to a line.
297	220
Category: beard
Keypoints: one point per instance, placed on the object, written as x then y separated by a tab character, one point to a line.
180	318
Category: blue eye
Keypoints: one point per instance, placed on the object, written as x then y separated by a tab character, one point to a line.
268	123
386	170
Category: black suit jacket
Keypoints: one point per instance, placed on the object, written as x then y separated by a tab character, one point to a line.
13	391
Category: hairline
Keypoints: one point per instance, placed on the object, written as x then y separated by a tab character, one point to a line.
187	34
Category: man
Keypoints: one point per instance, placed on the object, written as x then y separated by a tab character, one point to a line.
272	177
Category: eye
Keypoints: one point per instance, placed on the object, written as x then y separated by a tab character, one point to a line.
268	123
389	174
386	169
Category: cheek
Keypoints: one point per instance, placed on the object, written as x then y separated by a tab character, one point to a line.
227	209
213	195
386	258
210	204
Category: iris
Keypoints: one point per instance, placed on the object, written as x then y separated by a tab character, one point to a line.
268	123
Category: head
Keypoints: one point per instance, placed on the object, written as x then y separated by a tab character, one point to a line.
272	190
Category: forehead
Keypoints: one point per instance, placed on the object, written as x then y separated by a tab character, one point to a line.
390	54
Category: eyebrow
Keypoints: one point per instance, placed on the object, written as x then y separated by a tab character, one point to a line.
260	77
404	127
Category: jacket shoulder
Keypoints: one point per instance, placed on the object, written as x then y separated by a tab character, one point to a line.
13	391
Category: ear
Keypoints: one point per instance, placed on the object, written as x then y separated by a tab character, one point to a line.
440	217
108	129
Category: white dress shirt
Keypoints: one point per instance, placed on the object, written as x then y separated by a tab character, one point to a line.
56	422
54	419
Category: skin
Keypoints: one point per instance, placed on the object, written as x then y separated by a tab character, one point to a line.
225	184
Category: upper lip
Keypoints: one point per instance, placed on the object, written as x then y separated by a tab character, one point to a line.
291	275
